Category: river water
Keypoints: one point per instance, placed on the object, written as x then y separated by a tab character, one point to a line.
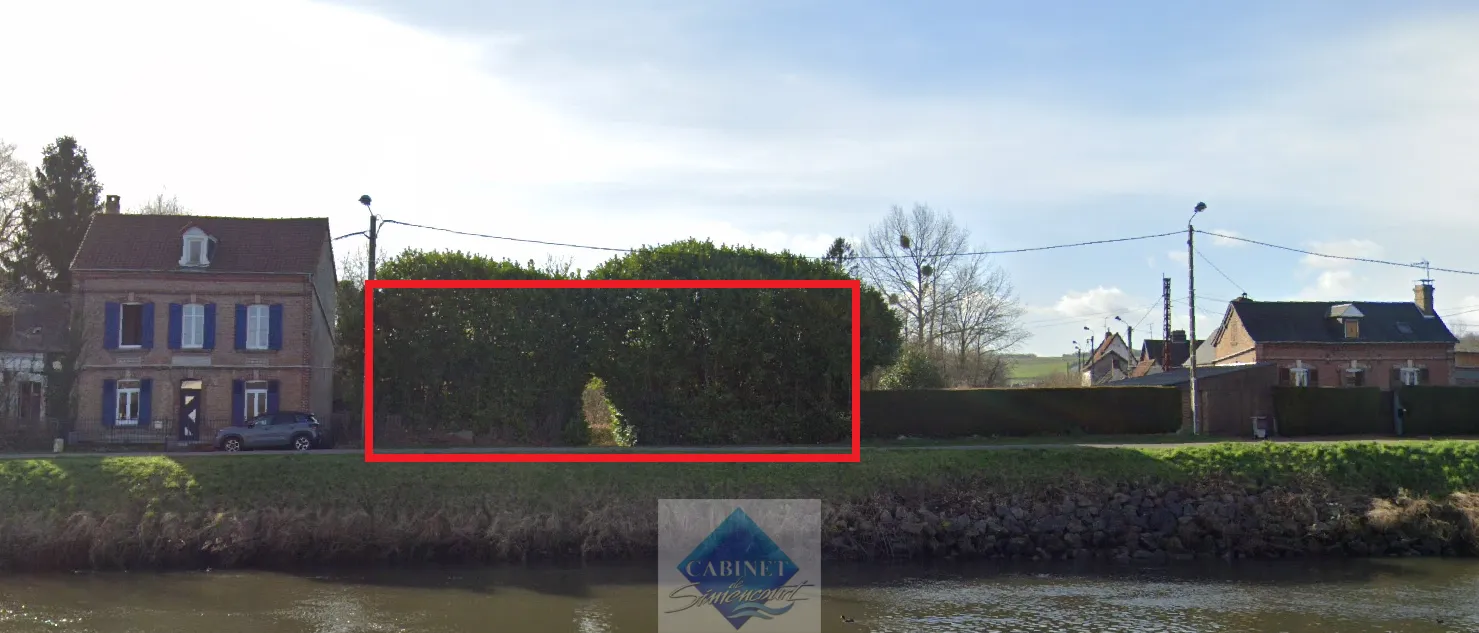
1407	595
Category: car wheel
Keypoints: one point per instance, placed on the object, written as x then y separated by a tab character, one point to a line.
302	443
232	445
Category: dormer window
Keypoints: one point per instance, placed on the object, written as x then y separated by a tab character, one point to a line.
1350	319
196	248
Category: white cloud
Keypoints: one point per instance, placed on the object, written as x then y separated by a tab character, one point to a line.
1096	302
1177	256
1218	240
1341	248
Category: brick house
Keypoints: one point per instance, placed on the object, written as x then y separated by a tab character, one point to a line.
1111	360
192	323
33	332
1158	355
1335	344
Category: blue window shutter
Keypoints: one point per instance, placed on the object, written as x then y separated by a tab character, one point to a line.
210	326
111	312
238	402
272	396
176	316
241	311
110	401
274	326
146	393
148	340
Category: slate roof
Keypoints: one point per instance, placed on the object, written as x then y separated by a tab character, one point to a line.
1310	322
1152	348
1179	375
129	241
34	322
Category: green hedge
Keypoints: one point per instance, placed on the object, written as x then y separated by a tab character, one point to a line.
1440	410
985	412
1321	411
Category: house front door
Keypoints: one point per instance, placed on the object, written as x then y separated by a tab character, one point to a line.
190	391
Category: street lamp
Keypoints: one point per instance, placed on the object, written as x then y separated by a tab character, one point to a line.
374	229
1191	303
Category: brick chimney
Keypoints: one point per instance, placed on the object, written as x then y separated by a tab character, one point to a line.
1423	297
112	205
1178	336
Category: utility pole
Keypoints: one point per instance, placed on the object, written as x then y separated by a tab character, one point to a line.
1166	314
1191	284
374	230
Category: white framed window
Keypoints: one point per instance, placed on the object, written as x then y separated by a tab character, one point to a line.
1355	377
256	399
192	326
195	250
127	403
1411	376
1299	377
131	325
258	325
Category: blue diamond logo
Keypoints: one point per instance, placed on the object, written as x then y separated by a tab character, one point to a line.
740	562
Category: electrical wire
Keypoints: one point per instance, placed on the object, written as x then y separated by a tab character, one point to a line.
1219	271
1343	257
349	235
627	250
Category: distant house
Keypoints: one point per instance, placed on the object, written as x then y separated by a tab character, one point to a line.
33	331
1338	343
1158	355
1112	360
1466	369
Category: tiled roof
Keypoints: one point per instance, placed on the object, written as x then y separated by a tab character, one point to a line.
35	322
127	241
1310	322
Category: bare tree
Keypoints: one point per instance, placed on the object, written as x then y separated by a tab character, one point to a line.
354	263
951	300
161	205
14	176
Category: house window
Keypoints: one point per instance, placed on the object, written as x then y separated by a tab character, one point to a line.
1299	376
256	399
128	403
196	250
1355	377
131	325
1411	376
258	325
1352	328
192	326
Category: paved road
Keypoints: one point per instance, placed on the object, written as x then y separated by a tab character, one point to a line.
740	449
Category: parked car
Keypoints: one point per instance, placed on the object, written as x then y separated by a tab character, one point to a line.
294	430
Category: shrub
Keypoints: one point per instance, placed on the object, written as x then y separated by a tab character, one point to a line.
915	370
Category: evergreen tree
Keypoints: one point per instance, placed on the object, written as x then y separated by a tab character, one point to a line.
64	196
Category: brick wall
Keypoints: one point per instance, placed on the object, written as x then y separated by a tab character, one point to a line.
1378	359
292	365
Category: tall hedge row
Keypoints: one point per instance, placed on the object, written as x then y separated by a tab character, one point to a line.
682	366
958	413
1440	410
1314	411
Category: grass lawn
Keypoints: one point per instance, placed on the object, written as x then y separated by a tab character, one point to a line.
345	482
1036	367
1158	438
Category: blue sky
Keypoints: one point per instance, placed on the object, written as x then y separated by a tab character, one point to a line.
1346	127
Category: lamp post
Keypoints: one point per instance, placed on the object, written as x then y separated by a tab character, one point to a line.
374	232
1191	302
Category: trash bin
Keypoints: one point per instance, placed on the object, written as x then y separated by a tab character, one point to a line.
1260	427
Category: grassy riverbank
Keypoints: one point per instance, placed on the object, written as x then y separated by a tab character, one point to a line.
279	509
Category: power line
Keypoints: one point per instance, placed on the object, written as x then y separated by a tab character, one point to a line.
1344	257
628	250
1219	271
349	235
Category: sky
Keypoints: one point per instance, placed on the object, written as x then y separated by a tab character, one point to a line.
1347	127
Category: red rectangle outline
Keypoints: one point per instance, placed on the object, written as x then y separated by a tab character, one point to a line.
369	389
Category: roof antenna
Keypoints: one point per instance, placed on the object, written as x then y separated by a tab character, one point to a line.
1427	271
